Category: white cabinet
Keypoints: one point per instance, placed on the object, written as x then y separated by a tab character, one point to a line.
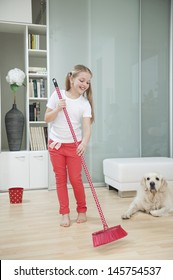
14	167
38	169
25	169
16	11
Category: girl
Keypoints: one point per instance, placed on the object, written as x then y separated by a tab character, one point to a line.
64	155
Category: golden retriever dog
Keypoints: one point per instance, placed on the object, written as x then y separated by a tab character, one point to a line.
154	197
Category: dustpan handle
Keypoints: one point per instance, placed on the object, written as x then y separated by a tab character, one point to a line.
82	160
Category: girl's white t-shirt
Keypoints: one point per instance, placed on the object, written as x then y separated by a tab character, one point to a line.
77	109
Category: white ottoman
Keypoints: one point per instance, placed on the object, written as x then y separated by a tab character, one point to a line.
125	174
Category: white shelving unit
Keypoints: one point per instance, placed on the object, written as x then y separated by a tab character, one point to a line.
37	59
28	167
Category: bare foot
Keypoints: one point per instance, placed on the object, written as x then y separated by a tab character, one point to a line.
65	220
81	218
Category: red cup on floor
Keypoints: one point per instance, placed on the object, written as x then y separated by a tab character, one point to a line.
16	195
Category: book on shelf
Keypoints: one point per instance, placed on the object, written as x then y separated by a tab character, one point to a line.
31	140
34	41
37	70
34	111
42	88
37	88
46	134
31	112
31	89
38	140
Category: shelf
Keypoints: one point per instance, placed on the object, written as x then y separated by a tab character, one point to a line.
37	122
14	27
8	27
37	28
38	98
38	53
37	62
32	75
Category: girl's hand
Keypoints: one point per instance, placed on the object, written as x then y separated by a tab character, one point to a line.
61	104
81	149
51	114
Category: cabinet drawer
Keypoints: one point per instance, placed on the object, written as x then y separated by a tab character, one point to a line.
14	170
38	170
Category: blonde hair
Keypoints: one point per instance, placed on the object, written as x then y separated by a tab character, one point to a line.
74	73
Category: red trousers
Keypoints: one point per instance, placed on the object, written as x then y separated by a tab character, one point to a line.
66	162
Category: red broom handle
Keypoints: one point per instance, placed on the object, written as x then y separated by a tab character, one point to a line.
105	226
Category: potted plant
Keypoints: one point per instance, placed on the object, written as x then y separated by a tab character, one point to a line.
15	77
14	119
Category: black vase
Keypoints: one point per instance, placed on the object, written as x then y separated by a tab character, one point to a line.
14	123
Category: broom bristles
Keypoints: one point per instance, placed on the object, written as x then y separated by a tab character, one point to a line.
106	236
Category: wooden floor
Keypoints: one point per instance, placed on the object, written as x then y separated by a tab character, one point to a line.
31	230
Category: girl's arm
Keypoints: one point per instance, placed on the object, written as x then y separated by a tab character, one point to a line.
86	136
51	114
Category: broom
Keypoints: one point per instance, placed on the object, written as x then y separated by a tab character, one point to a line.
106	235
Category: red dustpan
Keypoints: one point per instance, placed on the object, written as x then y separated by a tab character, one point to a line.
106	235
